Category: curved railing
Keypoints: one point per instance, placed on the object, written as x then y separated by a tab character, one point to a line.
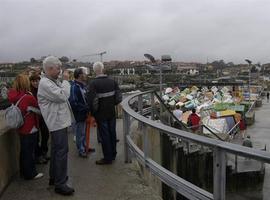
179	184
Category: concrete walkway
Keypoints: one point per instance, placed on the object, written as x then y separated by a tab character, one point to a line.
118	181
260	135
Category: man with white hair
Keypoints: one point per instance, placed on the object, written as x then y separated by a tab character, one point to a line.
103	95
53	102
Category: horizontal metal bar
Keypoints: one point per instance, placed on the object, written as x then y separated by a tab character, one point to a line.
245	151
146	111
182	186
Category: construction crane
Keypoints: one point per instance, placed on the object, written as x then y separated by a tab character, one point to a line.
96	54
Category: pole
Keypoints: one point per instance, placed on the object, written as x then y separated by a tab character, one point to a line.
160	80
249	83
160	88
126	127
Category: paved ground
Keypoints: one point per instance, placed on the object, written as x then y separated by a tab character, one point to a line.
118	181
260	134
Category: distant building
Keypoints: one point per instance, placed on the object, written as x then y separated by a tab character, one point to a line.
6	67
7	76
183	66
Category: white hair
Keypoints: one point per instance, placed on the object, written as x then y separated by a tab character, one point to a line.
98	67
51	61
85	69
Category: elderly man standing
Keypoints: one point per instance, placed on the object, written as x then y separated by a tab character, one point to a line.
53	102
80	110
103	94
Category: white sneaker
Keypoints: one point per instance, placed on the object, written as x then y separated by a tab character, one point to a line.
39	175
74	138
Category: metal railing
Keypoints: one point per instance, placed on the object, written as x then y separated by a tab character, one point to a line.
182	186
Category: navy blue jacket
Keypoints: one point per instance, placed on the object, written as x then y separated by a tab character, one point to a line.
78	102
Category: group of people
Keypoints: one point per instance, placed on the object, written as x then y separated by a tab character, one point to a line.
51	103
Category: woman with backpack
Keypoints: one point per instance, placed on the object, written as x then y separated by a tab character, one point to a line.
28	106
41	149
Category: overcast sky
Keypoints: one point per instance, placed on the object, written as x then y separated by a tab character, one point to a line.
188	30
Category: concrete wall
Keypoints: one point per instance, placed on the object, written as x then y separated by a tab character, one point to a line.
154	153
9	154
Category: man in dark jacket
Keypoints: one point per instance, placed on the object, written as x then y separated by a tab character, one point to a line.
80	109
103	95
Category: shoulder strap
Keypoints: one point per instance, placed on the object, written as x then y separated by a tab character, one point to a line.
17	103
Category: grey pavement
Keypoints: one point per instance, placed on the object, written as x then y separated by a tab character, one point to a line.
260	135
119	181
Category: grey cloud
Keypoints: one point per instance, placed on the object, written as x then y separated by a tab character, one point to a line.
191	30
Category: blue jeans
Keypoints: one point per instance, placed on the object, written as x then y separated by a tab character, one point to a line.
107	131
80	128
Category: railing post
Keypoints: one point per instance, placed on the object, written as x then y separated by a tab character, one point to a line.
145	143
140	108
126	127
152	106
140	104
188	150
236	163
219	168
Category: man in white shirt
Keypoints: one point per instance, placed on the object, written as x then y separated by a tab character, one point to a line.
53	97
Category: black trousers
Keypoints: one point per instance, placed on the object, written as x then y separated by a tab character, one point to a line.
44	136
59	157
27	155
107	132
42	148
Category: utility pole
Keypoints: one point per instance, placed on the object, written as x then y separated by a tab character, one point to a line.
249	66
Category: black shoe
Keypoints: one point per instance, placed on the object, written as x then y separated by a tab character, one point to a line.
64	190
91	150
83	155
103	162
117	140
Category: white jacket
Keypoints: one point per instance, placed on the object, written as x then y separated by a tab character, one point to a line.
53	103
